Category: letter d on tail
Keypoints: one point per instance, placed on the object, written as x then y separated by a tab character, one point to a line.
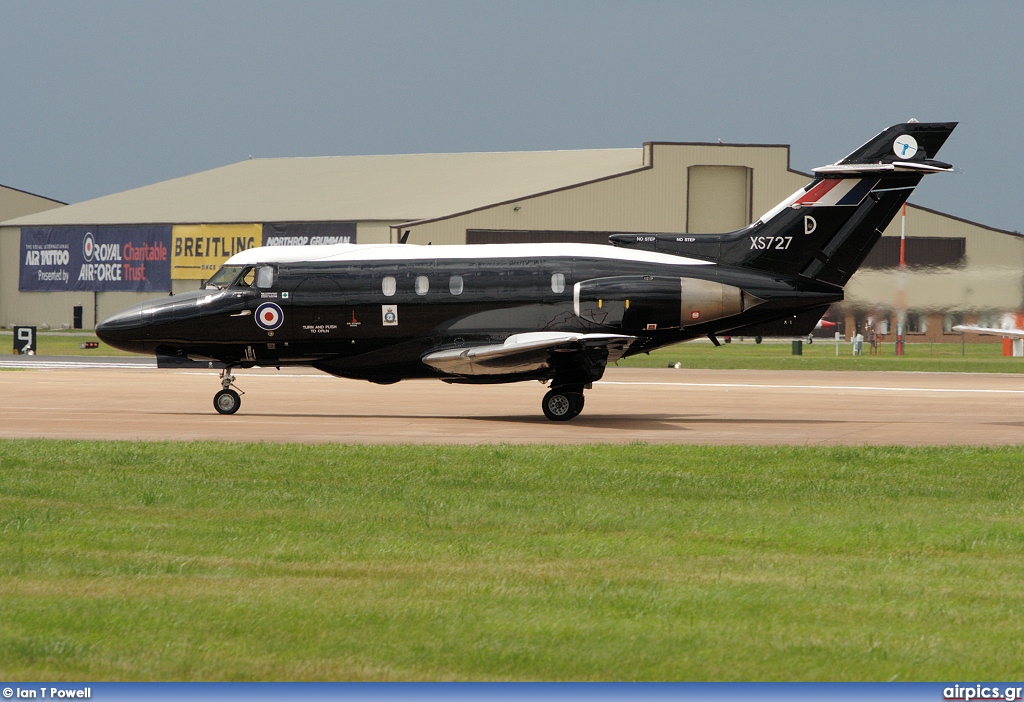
809	224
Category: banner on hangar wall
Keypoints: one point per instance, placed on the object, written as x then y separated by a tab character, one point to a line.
309	233
200	249
95	259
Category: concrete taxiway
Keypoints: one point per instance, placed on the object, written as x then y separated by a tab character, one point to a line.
133	400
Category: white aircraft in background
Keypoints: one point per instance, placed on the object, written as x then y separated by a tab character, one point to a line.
1011	329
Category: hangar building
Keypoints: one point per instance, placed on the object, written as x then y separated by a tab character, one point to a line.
61	264
18	203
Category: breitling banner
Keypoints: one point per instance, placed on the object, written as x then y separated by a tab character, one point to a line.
95	259
200	249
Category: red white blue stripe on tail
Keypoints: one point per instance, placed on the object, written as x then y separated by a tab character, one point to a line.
837	192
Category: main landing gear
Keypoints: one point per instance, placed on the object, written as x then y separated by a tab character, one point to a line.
227	401
562	403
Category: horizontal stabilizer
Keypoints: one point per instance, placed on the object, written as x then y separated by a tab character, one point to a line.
851	169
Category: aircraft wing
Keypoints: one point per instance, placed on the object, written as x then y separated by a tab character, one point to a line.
975	329
522	353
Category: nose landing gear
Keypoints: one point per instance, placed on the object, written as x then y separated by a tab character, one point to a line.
227	401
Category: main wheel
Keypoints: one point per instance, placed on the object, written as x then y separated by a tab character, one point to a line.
561	405
227	401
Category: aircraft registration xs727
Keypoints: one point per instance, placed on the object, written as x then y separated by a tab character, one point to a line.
557	313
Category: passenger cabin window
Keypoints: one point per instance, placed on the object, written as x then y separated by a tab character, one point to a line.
422	285
455	285
388	286
557	282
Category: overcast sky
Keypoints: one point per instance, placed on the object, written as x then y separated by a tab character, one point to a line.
99	96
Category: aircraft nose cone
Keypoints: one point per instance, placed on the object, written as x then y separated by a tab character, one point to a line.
122	330
125	319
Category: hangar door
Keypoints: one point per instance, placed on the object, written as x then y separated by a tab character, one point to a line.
717	199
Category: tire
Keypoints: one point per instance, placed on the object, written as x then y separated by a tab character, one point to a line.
757	340
561	405
227	401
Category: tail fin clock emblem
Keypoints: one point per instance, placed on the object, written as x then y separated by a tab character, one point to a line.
905	146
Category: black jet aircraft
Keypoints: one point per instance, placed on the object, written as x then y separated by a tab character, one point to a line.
557	313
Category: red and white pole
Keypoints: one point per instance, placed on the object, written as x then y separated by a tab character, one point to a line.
901	294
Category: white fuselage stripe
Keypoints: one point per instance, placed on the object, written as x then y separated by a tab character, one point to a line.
344	253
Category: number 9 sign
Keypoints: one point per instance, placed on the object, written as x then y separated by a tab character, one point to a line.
25	340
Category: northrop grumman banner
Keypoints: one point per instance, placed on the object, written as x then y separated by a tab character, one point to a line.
309	233
95	259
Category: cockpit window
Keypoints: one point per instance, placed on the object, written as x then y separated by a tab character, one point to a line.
264	277
242	277
224	277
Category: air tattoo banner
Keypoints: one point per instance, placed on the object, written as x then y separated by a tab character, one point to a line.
309	233
95	259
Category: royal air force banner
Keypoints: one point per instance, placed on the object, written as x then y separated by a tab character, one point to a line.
146	258
95	259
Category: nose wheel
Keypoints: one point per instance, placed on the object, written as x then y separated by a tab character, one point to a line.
563	403
227	401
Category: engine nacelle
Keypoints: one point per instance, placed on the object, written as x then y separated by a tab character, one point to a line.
706	300
642	302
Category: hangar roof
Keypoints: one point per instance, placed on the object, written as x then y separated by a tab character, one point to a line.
345	188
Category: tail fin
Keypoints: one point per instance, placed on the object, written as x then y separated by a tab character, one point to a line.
825	230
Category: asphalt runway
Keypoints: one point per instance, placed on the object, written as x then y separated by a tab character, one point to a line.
132	400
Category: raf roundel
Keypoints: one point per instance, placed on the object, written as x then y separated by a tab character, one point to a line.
88	246
269	316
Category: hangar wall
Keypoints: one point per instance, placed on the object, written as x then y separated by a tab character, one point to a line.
16	203
650	199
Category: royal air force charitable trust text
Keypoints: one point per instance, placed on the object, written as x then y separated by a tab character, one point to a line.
110	262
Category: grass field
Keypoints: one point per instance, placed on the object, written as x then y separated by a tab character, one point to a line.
821	355
63	343
218	561
770	355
